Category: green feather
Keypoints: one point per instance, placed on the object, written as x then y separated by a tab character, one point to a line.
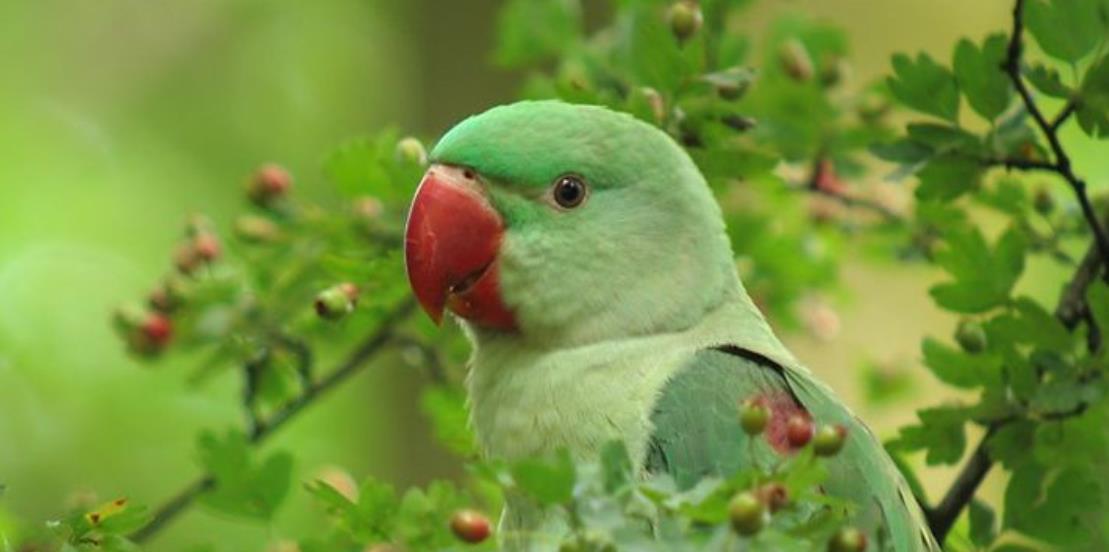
617	302
697	433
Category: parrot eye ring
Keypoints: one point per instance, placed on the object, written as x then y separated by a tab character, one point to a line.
569	191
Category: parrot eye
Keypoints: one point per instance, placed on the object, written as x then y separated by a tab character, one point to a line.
569	191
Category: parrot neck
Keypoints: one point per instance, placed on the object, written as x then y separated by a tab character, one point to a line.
528	400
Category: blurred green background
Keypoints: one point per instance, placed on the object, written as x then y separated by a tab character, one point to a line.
118	118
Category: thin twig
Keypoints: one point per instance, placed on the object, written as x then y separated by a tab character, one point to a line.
861	203
1062	164
173	507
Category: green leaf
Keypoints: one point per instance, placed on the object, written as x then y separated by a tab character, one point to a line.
446	408
650	52
1046	79
941	432
948	177
1063	396
1097	298
530	31
1065	29
925	86
980	76
1074	441
1029	323
943	138
982	523
547	480
960	369
1063	509
984	276
902	151
1012	445
243	486
1093	108
616	466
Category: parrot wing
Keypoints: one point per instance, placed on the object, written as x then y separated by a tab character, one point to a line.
697	433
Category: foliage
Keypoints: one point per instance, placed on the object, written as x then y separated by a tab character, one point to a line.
784	139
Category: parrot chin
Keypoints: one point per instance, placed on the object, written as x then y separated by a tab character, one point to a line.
451	243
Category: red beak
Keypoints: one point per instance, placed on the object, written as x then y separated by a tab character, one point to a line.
451	244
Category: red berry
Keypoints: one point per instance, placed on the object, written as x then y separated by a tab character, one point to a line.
207	246
269	183
799	430
470	526
157	329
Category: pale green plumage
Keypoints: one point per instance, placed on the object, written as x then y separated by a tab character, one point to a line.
619	303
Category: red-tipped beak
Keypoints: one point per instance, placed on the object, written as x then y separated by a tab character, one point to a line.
451	244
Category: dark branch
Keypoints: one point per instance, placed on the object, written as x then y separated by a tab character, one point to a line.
943	516
1062	163
1072	305
1070	310
356	360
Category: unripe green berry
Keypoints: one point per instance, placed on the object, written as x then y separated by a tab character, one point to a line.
685	20
795	60
655	101
410	150
256	229
848	539
470	526
753	416
128	318
336	301
368	208
829	440
1043	201
971	336
747	514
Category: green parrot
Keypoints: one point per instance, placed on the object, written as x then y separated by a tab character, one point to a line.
587	261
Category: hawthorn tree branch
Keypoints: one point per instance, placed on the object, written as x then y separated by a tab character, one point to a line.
812	185
1070	310
262	429
1062	162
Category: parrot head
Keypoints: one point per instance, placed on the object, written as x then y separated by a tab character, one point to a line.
564	225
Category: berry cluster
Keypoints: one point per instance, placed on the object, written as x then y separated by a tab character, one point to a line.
751	510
